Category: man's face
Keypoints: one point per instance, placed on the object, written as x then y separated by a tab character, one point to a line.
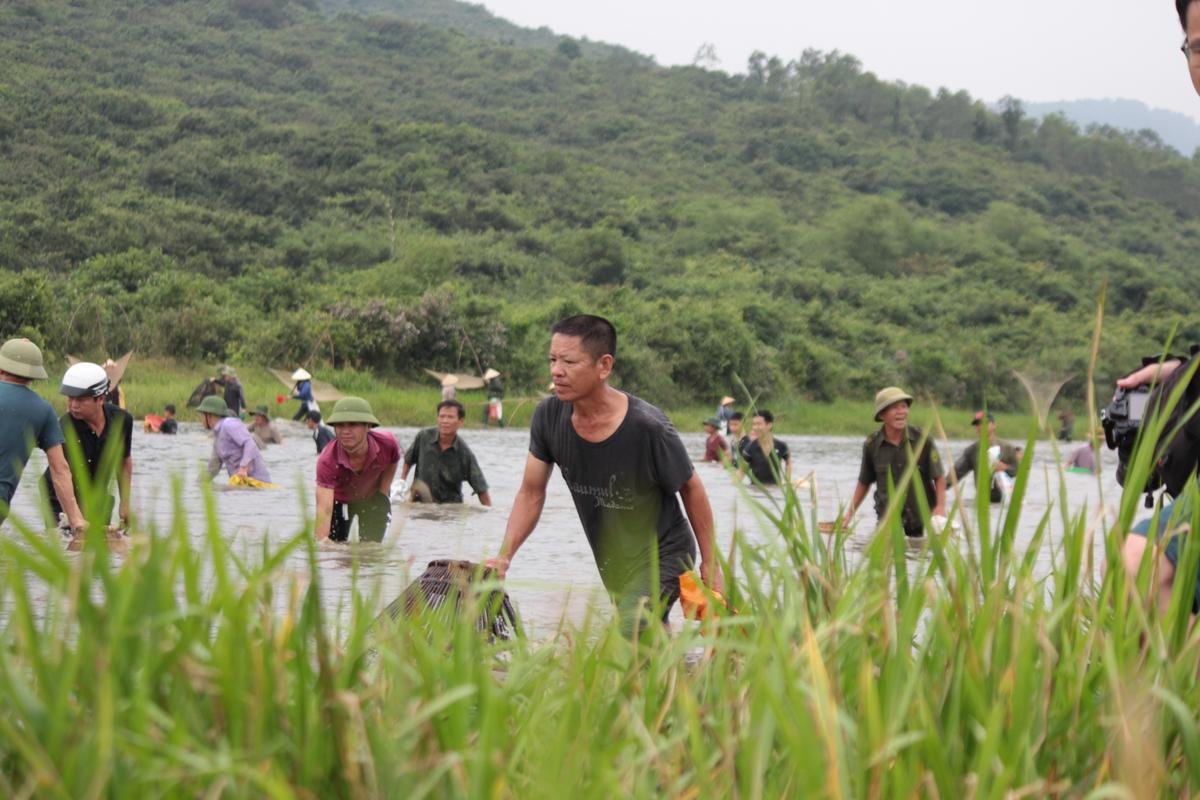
1193	38
351	435
308	423
735	426
759	427
448	421
895	416
261	421
85	408
574	372
709	429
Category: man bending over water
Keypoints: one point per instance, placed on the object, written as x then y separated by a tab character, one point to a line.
624	464
354	475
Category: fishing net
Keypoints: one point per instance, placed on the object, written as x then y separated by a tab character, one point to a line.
1042	389
448	589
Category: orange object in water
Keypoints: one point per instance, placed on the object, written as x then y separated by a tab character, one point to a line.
152	423
693	598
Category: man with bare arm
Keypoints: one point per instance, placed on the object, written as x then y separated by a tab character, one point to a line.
624	464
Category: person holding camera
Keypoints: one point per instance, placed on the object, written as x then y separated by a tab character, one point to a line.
1160	371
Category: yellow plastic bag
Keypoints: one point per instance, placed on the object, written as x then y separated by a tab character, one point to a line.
250	483
694	599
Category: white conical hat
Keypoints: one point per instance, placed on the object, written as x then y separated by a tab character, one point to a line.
301	375
491	373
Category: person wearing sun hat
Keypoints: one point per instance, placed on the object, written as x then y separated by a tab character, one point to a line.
724	414
494	410
233	446
886	455
354	474
28	421
302	391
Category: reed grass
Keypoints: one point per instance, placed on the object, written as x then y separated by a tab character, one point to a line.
184	669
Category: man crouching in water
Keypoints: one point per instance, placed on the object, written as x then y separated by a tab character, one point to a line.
354	475
624	463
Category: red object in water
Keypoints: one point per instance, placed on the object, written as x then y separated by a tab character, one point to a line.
280	399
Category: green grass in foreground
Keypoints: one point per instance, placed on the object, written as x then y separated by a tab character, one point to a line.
152	383
963	673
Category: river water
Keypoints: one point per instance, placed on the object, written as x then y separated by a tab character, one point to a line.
553	579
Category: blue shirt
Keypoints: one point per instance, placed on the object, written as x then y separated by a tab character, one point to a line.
26	421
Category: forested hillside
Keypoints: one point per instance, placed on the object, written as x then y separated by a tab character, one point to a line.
256	180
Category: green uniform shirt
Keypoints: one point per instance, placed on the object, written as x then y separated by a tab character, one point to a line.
445	470
966	462
881	458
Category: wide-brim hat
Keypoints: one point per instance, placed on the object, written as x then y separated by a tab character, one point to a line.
889	396
22	358
262	411
726	400
301	375
212	405
450	379
352	409
491	373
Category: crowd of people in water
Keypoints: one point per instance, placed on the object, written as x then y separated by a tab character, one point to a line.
640	501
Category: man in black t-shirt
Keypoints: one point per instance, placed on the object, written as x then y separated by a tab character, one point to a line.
624	464
92	428
767	459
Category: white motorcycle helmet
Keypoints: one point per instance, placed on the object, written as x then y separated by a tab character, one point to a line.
84	379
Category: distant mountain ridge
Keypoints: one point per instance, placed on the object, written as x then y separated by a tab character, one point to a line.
1176	130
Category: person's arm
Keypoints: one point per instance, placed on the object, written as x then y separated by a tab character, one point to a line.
249	451
124	484
939	491
699	513
324	513
965	464
385	480
860	492
485	498
64	487
526	511
1150	372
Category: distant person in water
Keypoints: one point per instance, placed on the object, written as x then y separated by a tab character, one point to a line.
724	413
321	434
443	460
1066	421
715	447
494	410
627	471
766	458
354	475
886	456
233	446
1007	456
449	387
736	436
28	421
170	425
227	379
263	429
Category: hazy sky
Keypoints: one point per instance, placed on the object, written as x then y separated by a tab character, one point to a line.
1038	50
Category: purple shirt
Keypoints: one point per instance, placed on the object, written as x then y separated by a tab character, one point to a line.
235	448
334	470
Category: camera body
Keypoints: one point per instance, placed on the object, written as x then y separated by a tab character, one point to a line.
1122	417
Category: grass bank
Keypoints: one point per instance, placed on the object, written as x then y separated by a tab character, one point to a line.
152	383
969	671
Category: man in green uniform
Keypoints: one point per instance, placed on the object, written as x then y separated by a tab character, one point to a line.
444	461
1008	456
887	453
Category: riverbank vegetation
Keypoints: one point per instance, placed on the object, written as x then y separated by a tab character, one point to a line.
279	182
968	668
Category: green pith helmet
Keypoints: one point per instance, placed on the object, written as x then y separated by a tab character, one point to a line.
212	405
352	409
889	396
22	358
262	411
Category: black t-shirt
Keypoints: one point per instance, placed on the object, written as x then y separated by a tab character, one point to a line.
764	468
169	426
625	492
118	429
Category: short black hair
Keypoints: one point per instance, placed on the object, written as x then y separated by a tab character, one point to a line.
462	412
597	335
1182	6
766	415
314	415
169	408
736	415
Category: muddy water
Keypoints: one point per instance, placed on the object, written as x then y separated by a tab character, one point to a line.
553	578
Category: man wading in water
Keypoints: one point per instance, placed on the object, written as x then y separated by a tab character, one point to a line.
354	475
624	464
